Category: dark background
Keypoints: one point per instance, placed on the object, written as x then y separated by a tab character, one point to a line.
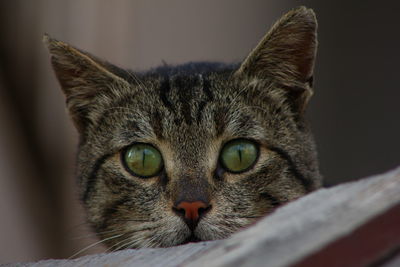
354	112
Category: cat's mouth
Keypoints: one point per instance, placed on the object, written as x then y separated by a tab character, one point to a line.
191	239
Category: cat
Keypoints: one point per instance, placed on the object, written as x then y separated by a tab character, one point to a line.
193	152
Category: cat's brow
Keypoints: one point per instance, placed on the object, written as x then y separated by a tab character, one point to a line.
243	125
141	130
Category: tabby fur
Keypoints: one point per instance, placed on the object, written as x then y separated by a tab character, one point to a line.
189	112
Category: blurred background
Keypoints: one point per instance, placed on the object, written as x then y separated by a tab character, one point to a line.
354	112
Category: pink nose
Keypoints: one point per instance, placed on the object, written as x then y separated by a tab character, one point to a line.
192	210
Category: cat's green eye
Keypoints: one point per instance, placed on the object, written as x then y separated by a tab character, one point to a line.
143	160
239	155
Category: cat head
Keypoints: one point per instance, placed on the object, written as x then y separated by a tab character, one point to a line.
193	152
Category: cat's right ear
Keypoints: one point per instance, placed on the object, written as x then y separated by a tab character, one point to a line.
286	55
82	78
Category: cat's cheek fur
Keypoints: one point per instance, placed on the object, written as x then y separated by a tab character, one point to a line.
145	221
234	208
135	208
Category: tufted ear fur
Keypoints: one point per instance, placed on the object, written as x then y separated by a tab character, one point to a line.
286	55
82	78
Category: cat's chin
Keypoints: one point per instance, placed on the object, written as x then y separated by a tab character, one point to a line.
191	239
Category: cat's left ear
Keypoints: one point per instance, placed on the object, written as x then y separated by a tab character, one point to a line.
286	55
83	79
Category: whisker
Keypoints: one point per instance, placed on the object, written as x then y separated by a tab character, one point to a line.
115	229
134	239
111	249
97	233
241	217
94	244
83	236
128	244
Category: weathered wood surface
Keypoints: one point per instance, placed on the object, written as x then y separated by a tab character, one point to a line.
293	234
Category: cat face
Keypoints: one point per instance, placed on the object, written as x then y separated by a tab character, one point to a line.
193	152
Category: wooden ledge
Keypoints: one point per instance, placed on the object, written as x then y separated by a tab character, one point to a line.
353	224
